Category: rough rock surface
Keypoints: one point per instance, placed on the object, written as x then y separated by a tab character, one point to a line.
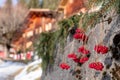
102	33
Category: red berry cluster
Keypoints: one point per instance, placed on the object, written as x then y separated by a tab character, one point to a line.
64	66
76	60
80	35
101	49
96	66
83	50
72	56
84	59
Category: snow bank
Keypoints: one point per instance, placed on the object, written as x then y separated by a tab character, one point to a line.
9	68
32	71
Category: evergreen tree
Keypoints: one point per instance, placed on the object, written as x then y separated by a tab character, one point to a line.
51	4
22	2
8	2
33	4
8	6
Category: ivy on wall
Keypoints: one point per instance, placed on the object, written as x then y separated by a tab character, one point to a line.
47	42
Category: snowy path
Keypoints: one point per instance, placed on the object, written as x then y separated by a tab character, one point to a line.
32	71
8	68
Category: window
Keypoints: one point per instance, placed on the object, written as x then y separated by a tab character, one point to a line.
29	34
48	26
40	30
28	44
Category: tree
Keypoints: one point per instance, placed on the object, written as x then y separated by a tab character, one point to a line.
22	3
51	4
8	6
33	4
8	3
11	19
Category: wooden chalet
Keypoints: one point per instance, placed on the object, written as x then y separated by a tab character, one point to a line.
37	21
41	20
71	7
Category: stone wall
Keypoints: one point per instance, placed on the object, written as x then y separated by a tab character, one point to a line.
103	33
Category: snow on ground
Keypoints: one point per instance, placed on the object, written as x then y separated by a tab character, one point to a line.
8	68
32	71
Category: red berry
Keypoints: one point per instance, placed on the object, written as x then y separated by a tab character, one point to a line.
78	30
76	60
96	65
83	50
77	36
80	36
72	56
64	66
97	48
101	49
84	59
104	49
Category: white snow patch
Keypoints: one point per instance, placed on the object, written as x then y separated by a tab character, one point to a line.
33	74
9	68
